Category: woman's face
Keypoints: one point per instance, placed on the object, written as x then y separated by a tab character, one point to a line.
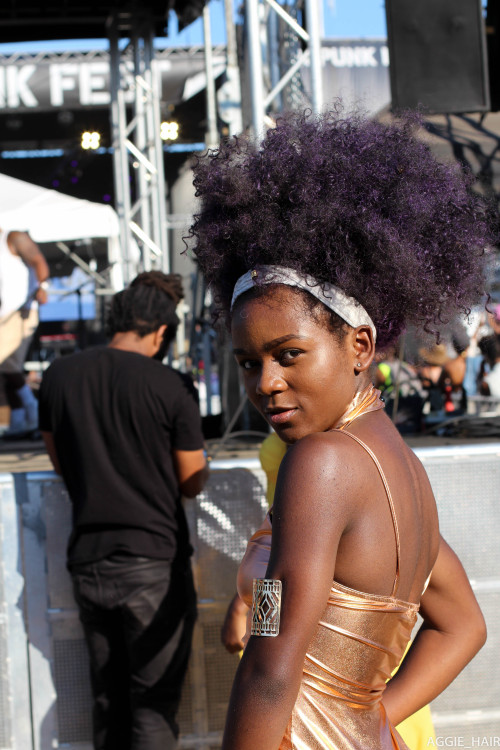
296	373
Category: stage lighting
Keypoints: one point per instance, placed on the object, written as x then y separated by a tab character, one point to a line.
91	140
169	131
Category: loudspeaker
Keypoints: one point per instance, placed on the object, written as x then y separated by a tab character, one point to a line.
438	56
493	48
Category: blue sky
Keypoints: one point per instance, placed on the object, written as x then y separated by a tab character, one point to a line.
342	18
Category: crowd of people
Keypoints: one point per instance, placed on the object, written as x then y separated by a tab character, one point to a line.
446	379
322	245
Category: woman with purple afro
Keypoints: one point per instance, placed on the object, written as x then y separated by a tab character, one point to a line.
330	237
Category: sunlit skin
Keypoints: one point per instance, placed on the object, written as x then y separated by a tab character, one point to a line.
296	372
331	519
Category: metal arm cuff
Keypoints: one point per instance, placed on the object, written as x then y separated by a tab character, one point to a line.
266	606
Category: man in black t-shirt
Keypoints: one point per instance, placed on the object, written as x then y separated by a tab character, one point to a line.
125	433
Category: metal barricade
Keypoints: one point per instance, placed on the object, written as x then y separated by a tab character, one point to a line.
44	686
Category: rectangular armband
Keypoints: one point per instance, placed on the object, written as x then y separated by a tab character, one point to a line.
266	606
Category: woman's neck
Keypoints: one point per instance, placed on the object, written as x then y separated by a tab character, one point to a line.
363	402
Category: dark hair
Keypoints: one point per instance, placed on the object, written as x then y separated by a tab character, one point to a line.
490	347
351	201
146	304
459	339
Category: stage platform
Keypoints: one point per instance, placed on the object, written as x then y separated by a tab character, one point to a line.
18	456
23	456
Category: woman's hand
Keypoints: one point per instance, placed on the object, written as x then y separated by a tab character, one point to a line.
234	625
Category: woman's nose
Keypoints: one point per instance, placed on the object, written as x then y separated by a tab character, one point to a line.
270	381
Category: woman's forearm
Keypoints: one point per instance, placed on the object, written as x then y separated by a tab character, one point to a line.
453	632
432	663
234	625
262	699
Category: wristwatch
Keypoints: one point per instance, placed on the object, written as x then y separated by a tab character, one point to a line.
44	284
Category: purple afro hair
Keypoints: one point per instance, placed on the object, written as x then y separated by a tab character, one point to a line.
350	201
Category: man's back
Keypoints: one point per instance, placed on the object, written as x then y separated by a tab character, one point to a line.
116	417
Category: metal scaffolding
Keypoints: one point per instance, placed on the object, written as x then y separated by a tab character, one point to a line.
266	85
137	146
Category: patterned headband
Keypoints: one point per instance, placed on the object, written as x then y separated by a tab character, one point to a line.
334	298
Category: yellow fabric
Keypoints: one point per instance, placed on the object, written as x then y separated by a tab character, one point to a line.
385	369
271	454
417	730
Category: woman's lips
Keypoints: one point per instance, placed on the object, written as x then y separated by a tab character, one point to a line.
279	417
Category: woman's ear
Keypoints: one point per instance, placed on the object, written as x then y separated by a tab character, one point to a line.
364	348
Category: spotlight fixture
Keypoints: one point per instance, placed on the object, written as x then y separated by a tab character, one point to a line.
90	140
169	131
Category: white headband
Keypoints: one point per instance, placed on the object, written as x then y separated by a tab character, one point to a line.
334	298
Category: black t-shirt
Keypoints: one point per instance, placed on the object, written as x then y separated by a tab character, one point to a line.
116	417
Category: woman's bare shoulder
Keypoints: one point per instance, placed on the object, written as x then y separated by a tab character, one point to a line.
325	467
333	451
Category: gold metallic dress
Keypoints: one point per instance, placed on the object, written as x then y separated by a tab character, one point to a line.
360	640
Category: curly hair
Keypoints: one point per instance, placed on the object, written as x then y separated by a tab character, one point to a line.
350	201
146	304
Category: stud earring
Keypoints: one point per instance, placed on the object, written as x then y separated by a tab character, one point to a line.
359	364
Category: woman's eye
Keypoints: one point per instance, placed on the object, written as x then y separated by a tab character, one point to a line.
288	356
247	364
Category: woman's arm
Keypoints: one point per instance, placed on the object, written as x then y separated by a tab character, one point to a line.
313	506
234	626
452	633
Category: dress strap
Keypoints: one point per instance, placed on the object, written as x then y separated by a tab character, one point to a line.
391	503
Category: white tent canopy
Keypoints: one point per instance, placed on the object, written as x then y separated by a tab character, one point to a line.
50	216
